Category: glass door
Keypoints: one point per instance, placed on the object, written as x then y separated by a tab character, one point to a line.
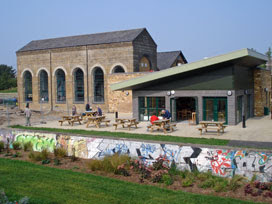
215	109
221	109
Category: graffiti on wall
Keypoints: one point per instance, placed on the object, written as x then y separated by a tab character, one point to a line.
39	141
226	163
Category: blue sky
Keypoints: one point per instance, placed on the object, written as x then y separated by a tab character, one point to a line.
200	28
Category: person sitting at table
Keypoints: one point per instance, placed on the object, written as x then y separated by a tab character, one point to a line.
165	114
99	111
152	119
74	110
87	107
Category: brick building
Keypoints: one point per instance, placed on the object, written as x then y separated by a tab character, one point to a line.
122	71
61	72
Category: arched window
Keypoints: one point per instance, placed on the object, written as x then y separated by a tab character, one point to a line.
98	79
118	69
28	86
43	86
61	90
144	65
79	85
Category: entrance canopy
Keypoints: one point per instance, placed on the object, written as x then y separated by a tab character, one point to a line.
245	57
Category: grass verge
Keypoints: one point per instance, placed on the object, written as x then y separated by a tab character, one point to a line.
165	138
46	185
11	90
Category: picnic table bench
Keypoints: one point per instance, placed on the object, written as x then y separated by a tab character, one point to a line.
212	125
163	124
70	119
96	120
126	122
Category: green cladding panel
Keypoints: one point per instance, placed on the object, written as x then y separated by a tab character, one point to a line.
220	78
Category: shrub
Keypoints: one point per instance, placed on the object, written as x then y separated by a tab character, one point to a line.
221	185
107	165
35	156
16	145
209	183
117	164
157	176
160	163
39	156
95	165
44	154
57	162
46	161
111	163
122	170
2	146
254	178
173	169
28	146
138	166
73	157
187	182
184	174
60	152
236	182
167	179
17	154
204	176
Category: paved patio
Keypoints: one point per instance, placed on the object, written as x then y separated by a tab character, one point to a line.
257	129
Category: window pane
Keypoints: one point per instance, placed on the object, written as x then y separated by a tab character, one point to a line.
79	85
118	69
43	86
149	106
98	85
28	86
61	90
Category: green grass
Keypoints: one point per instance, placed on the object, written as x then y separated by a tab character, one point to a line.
11	90
46	185
164	138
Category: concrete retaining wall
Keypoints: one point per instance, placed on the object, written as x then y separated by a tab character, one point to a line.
221	162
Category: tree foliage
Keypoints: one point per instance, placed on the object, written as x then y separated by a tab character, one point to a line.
7	77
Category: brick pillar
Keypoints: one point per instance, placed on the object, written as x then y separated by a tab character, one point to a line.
262	81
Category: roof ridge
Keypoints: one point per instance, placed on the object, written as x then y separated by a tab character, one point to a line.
89	34
170	51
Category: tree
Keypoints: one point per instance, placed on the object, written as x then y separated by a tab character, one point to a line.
268	53
7	77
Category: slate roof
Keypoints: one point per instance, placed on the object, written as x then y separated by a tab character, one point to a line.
166	59
81	40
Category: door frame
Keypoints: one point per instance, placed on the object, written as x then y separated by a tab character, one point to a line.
173	107
215	106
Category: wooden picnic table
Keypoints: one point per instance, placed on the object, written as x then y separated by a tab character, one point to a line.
212	125
96	120
90	113
126	122
70	119
162	124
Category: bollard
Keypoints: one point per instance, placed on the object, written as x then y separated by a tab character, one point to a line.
116	114
244	121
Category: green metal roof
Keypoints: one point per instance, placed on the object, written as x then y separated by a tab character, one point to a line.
149	77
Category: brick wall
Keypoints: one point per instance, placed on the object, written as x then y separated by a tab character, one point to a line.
262	98
120	101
